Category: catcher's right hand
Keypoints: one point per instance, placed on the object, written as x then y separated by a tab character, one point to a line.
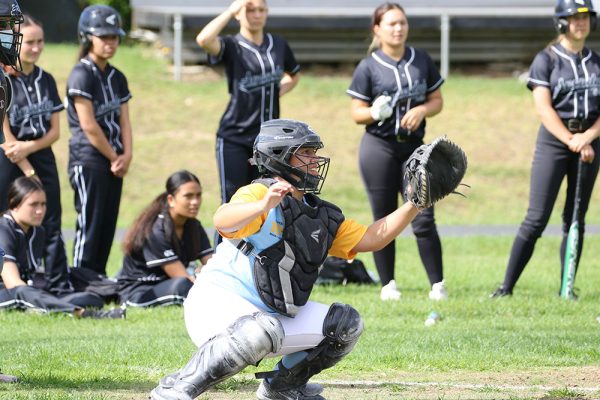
433	171
381	108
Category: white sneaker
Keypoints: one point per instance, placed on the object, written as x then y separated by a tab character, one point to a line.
438	291
390	291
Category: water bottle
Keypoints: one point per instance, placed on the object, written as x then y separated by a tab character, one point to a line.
432	318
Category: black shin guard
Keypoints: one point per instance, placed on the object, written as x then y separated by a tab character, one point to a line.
342	327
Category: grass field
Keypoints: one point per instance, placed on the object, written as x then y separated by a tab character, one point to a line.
533	345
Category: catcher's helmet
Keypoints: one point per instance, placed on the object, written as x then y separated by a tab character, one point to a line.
566	8
10	36
277	142
99	20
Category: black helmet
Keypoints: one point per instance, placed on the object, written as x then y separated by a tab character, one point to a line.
99	20
566	8
10	36
276	143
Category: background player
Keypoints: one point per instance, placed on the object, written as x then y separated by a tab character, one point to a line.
260	68
100	148
22	237
564	81
10	25
393	91
31	128
163	240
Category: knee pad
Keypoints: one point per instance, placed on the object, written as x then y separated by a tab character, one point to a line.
247	341
342	327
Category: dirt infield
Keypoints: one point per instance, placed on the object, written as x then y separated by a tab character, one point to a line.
556	383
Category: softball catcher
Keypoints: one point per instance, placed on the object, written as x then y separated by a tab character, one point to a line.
251	300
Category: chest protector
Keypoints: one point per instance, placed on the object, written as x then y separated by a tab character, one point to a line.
285	273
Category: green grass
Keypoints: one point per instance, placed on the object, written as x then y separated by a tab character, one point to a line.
58	356
174	123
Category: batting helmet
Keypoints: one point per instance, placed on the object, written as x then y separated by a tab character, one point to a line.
274	146
566	8
99	20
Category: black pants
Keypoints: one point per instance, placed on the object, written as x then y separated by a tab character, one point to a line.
234	169
551	162
97	200
381	163
171	291
27	297
55	256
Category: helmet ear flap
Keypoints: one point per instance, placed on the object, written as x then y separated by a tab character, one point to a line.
561	24
593	21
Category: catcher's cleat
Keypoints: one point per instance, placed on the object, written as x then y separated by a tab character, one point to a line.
501	292
308	391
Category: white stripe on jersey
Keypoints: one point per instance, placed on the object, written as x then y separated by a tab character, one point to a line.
574	67
538	82
398	85
587	75
162	260
356	94
272	70
408	78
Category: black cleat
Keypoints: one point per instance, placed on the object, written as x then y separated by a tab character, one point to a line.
501	292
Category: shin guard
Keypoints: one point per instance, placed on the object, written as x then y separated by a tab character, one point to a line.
246	342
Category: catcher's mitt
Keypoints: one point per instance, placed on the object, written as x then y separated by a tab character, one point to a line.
433	171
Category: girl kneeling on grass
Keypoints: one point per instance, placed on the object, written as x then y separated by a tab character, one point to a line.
164	239
251	299
22	238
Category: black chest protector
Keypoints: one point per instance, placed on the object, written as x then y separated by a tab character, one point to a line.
285	273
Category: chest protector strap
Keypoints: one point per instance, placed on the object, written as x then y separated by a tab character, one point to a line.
285	273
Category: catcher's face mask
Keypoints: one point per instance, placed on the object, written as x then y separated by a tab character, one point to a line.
310	169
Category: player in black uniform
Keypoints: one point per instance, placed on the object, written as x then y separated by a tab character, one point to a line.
162	242
22	238
31	128
566	93
10	37
393	91
100	148
260	68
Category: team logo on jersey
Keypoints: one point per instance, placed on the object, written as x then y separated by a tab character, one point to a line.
418	92
567	87
250	82
112	19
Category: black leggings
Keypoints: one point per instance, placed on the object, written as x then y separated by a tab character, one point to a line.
97	200
551	162
382	167
171	291
28	297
